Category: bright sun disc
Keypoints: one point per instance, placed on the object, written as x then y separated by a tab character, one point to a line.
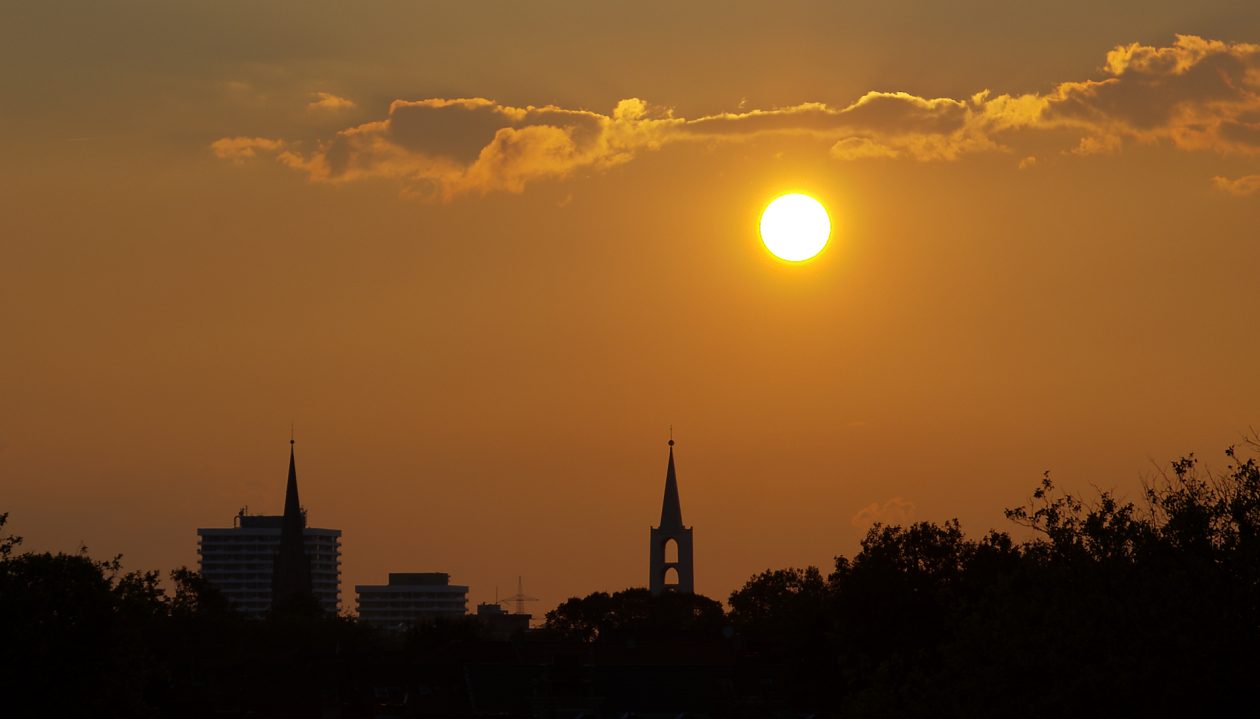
795	227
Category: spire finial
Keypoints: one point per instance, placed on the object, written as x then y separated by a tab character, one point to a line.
671	435
291	433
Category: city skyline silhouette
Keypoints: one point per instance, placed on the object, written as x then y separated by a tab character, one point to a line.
885	267
266	563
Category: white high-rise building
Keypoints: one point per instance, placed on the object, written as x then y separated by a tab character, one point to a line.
240	561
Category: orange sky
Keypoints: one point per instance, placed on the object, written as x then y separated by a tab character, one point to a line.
483	255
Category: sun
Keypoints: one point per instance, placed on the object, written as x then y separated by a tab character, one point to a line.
795	227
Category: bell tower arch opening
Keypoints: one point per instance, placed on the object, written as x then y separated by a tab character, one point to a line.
671	551
670	580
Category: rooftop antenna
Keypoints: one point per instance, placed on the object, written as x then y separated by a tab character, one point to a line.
520	597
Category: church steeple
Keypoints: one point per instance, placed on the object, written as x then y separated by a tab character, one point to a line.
292	507
670	563
671	507
291	575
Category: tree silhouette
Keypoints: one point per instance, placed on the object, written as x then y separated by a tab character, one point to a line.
635	613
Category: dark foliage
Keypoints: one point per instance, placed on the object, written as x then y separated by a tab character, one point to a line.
82	637
1108	608
636	614
1111	608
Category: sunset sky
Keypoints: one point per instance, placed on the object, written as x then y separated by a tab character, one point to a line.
484	255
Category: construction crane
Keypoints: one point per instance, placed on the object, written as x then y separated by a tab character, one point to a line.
520	597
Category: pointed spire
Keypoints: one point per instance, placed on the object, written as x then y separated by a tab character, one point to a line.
292	507
671	507
291	575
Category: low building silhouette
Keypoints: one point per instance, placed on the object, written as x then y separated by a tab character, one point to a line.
410	598
265	558
499	624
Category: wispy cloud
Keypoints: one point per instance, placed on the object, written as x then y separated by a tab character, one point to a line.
894	512
239	149
1195	95
329	101
1245	185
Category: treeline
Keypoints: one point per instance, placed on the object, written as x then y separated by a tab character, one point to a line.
1109	606
1112	607
81	637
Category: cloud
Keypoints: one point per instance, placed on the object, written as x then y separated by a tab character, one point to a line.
1245	185
329	101
239	149
894	512
1098	145
861	148
877	125
1196	95
893	113
440	148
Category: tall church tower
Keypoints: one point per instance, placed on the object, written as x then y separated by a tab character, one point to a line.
291	576
670	556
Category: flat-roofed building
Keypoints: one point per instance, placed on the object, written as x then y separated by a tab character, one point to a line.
411	598
240	561
498	624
